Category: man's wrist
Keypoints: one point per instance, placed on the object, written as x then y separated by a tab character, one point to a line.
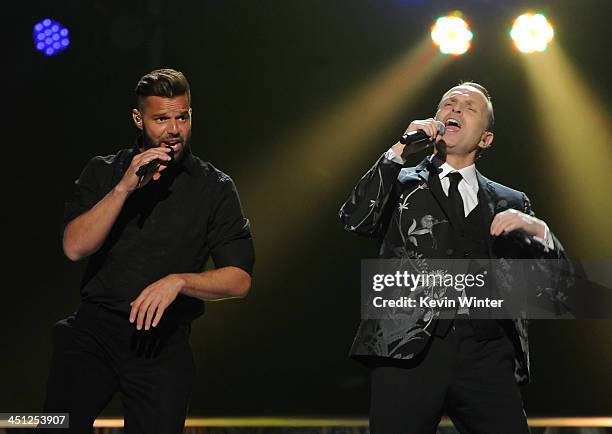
181	281
121	191
395	153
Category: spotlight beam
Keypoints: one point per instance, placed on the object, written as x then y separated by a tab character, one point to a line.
577	153
325	149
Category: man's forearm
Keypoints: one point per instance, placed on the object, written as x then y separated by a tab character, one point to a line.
225	282
85	234
362	212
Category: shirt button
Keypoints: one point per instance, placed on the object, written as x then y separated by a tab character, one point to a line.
449	252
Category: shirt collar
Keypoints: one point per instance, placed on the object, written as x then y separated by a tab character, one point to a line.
468	173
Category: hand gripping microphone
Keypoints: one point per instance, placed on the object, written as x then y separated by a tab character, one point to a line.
151	166
419	136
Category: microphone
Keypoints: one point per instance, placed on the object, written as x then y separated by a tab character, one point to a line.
151	166
419	136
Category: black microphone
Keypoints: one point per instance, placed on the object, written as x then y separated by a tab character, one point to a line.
419	136
151	166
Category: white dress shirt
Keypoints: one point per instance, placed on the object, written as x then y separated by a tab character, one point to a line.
468	185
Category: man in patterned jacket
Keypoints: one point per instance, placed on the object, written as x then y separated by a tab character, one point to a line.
444	208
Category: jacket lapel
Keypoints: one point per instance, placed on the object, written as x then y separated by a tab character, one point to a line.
487	199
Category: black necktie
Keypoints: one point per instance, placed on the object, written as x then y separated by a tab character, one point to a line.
454	195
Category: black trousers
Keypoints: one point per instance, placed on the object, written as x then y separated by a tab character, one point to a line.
98	352
470	380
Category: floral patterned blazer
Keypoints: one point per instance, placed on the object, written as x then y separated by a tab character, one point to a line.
396	206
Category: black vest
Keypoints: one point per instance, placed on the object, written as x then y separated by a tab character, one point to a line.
469	241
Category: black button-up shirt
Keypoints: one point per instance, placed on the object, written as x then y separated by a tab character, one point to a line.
172	225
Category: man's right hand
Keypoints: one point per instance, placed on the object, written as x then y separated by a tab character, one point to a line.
430	126
131	181
85	234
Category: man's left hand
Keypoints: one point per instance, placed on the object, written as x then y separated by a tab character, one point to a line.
511	219
154	300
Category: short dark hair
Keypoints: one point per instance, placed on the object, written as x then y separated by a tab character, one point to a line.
485	92
167	83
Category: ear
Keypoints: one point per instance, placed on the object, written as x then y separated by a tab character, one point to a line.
137	117
486	140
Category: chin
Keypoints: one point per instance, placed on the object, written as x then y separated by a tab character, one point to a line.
449	145
455	143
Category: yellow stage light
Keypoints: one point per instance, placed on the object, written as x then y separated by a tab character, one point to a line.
531	33
329	145
574	150
452	34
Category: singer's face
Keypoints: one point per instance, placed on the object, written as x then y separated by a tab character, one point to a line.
165	122
465	113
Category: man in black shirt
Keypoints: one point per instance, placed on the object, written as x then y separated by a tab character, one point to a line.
148	234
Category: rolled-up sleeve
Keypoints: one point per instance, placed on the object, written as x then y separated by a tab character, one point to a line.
229	234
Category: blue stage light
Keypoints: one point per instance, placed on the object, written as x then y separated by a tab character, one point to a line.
50	37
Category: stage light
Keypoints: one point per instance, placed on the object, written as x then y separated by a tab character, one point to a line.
50	37
452	34
531	33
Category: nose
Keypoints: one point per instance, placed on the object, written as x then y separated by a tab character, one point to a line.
173	127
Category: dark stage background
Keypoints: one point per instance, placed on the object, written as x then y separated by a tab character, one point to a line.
262	73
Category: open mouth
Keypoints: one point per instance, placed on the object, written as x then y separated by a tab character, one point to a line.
452	125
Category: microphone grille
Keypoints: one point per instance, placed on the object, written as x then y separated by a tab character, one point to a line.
441	128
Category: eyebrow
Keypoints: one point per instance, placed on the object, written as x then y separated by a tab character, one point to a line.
469	101
165	114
